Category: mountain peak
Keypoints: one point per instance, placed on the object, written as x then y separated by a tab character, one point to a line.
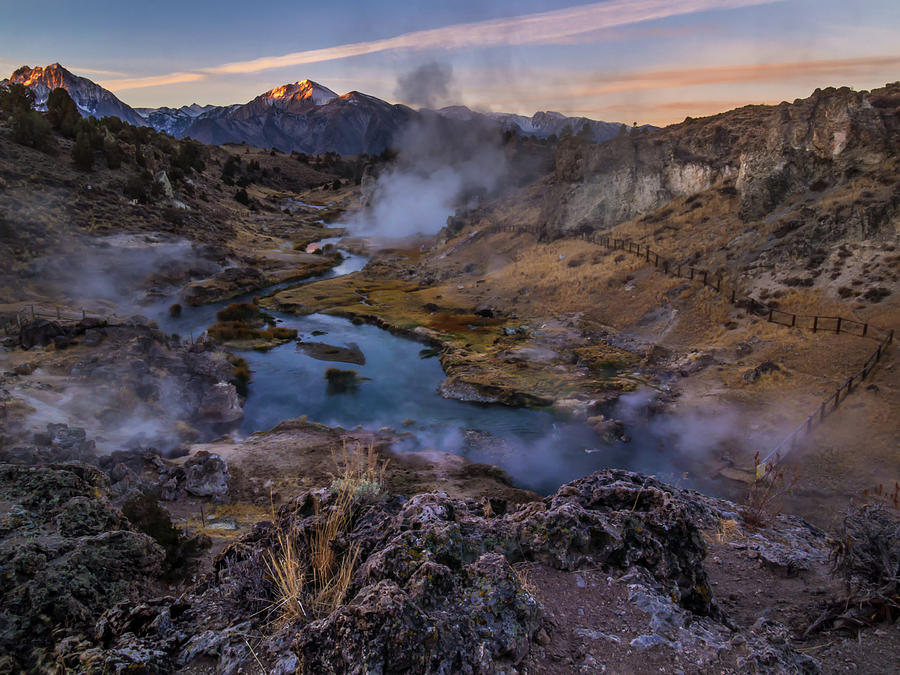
300	93
89	97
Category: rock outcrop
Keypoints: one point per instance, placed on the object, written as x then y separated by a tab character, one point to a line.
436	586
767	153
66	555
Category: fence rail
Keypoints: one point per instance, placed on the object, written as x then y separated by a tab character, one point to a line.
32	312
716	281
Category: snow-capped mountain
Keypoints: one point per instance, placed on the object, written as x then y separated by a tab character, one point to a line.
174	121
304	116
297	96
91	98
288	118
539	125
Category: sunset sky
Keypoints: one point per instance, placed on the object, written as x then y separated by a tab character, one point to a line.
649	61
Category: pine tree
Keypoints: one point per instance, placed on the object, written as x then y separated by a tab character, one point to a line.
83	152
62	113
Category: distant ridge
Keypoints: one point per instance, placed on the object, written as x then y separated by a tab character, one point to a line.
302	116
91	98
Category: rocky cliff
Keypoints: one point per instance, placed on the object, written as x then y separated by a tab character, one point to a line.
771	155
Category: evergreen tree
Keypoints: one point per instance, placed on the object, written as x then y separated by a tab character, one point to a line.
30	128
113	153
83	151
16	97
62	113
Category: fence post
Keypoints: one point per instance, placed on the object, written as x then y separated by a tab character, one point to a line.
794	321
83	315
732	295
648	254
692	274
704	277
865	329
770	314
666	266
815	324
838	329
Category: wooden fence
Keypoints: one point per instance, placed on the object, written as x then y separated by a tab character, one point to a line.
715	280
32	312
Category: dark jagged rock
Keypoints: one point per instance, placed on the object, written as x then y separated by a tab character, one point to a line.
65	556
434	589
434	586
39	333
206	475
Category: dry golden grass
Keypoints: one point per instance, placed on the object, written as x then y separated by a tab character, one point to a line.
523	572
360	468
331	573
287	570
728	530
311	577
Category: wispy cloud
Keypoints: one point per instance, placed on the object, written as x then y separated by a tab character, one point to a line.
152	81
528	29
738	74
835	71
554	27
96	71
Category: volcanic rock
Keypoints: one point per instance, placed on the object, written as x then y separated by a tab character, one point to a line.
221	404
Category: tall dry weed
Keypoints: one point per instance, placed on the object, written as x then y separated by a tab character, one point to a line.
310	573
360	469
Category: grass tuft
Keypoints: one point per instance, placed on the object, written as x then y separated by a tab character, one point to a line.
310	571
360	470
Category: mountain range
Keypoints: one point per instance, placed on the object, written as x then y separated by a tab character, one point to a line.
303	116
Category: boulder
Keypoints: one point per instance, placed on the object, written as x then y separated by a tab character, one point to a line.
206	475
752	375
38	333
221	404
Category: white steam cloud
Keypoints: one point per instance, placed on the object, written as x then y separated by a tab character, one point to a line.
442	165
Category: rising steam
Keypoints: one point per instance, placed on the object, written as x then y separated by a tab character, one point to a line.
441	165
429	85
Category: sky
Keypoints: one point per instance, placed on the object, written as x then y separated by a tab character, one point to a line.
644	61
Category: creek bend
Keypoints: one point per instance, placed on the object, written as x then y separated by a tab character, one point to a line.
538	449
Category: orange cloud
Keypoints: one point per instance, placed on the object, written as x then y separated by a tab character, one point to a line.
834	70
738	74
152	81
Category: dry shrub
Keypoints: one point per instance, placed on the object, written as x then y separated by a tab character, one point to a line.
866	556
361	471
331	573
312	574
766	494
728	530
